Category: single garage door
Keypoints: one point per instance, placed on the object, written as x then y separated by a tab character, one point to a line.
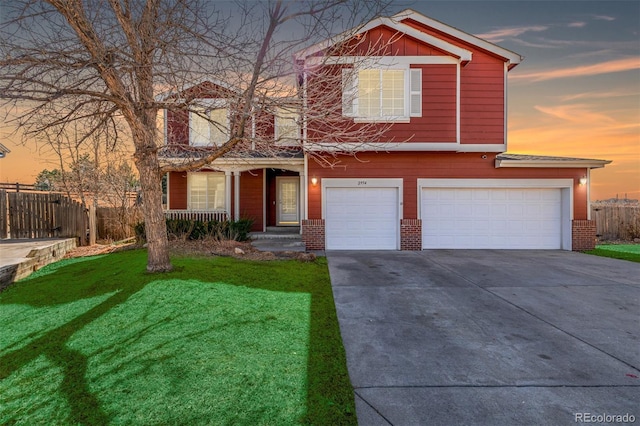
494	218
361	218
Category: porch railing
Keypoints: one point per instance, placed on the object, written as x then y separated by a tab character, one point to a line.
201	215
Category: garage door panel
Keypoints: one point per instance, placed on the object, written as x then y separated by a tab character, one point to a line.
361	218
491	218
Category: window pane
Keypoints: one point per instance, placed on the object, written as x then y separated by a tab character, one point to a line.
198	191
369	93
215	191
219	128
393	93
198	129
286	127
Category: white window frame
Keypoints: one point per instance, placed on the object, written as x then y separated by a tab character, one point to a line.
204	107
219	197
412	94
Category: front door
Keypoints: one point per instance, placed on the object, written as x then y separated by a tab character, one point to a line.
287	195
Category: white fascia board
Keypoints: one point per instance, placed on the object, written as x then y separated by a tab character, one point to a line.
244	164
460	53
512	57
403	147
383	61
573	164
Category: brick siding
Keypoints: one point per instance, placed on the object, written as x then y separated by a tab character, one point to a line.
583	235
313	234
411	234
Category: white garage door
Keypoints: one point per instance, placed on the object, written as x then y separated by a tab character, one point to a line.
361	218
496	218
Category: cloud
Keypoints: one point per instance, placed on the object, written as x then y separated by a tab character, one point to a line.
599	95
577	24
578	113
617	65
604	18
500	34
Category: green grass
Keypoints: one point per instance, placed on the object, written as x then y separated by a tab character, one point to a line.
618	251
217	341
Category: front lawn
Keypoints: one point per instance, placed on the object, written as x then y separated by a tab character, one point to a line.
218	341
618	251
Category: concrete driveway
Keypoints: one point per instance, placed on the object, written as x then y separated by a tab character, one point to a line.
489	336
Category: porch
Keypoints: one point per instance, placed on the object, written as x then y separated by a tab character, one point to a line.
271	192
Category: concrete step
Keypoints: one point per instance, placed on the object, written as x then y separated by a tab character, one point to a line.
274	236
283	229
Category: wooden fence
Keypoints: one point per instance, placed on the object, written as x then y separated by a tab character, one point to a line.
35	215
616	221
117	223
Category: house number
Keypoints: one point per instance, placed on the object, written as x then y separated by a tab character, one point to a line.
362	182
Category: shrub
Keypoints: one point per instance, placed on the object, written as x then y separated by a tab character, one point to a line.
197	230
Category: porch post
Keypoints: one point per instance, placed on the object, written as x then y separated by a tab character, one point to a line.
236	195
227	193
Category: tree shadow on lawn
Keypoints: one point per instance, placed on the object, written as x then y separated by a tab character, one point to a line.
120	276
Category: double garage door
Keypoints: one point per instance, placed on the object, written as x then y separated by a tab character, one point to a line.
368	217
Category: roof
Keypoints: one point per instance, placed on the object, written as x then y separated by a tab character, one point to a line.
4	150
541	161
395	22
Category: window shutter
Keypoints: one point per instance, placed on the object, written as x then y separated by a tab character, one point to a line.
415	94
349	98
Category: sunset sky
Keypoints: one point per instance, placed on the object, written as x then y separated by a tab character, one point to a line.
577	92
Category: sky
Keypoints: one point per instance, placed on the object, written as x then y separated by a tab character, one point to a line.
576	94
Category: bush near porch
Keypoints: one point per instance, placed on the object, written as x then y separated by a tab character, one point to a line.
187	229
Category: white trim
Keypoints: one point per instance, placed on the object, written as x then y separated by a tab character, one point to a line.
236	196
563	164
306	198
165	131
461	53
511	57
365	183
227	192
565	185
382	61
588	194
458	108
264	200
495	183
506	106
168	190
404	146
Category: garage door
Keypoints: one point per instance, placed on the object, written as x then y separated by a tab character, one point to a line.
497	218
361	218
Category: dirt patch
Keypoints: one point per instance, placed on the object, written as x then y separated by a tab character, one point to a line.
206	247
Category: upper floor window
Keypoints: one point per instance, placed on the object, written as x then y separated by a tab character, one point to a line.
209	126
287	131
382	94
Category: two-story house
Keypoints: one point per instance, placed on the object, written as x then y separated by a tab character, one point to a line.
436	175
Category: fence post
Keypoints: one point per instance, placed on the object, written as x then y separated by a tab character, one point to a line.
92	224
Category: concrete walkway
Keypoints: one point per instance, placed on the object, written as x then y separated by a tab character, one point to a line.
443	337
18	258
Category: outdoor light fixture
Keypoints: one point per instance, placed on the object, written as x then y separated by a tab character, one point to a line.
583	180
314	181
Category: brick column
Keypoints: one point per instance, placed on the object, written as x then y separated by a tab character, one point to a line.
313	234
410	234
583	235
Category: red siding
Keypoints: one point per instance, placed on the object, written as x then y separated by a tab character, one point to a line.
420	165
482	102
177	190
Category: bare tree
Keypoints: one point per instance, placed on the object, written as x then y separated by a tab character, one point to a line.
105	63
